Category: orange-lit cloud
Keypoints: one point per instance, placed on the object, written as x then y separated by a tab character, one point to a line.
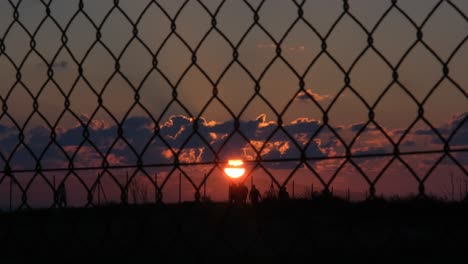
308	94
191	155
211	137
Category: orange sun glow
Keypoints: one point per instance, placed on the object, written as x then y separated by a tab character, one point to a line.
235	169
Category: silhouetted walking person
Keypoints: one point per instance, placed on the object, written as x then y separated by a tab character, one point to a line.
238	193
243	191
62	196
254	195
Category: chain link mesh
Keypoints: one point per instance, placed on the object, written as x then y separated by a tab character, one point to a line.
71	169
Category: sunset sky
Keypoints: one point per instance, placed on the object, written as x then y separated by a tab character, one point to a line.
157	63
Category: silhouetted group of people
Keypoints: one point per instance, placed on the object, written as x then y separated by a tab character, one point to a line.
238	194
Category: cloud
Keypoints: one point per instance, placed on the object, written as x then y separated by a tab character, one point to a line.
458	121
371	151
358	126
308	94
176	136
409	143
137	139
58	65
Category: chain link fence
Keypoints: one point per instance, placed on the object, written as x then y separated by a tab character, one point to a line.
113	102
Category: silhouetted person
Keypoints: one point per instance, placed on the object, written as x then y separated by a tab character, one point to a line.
62	195
238	193
283	194
254	195
270	194
242	192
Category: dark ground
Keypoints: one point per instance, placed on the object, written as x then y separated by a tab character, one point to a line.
372	230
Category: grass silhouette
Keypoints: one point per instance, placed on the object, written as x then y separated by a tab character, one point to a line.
322	226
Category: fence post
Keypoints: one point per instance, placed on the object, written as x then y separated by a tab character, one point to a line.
293	190
125	192
204	189
156	190
11	191
55	191
180	187
99	189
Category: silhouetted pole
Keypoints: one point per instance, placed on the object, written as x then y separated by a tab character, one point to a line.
11	191
103	192
251	181
460	191
99	190
453	186
55	191
126	191
466	189
312	188
156	191
180	187
293	189
349	195
204	189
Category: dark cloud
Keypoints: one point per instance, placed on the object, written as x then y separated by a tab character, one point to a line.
358	126
58	65
424	132
399	131
371	151
459	122
460	157
409	143
138	137
302	126
4	129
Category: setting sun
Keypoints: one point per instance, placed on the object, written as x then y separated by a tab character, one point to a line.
235	169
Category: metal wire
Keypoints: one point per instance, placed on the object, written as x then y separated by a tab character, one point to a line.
98	231
71	170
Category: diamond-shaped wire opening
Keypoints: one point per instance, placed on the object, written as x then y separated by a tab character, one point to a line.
127	103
